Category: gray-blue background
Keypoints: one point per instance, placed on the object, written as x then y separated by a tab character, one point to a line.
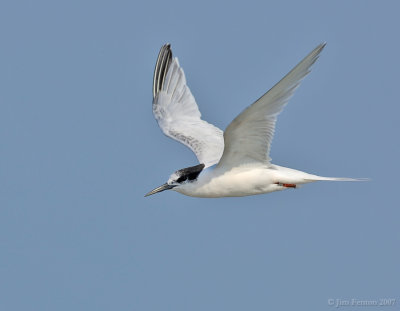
79	148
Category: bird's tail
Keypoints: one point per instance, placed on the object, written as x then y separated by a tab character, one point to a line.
318	178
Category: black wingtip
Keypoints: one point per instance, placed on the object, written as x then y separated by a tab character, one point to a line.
163	60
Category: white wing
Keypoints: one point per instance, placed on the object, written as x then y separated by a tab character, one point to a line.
248	137
177	114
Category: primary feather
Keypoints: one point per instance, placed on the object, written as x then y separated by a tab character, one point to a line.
248	137
177	114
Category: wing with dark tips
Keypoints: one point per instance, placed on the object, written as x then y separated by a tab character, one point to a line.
177	114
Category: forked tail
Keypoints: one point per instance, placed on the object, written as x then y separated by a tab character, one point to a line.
317	178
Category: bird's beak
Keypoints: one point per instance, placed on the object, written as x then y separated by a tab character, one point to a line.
159	189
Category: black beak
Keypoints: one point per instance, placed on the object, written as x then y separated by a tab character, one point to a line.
159	189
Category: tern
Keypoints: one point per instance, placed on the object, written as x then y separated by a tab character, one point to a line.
236	162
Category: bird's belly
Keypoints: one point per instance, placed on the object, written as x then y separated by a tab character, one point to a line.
233	184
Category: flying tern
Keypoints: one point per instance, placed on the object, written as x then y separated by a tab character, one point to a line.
235	162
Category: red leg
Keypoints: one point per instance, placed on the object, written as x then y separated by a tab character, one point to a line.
286	185
289	185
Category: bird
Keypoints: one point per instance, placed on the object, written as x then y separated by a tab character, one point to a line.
234	162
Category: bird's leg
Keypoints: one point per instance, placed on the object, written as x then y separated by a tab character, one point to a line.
289	185
286	185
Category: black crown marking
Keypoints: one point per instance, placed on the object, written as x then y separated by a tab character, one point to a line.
189	173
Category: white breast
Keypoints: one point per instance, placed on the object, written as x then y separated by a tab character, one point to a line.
236	182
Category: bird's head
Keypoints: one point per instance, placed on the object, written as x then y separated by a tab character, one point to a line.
178	178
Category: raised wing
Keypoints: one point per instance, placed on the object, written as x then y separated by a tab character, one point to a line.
177	114
248	137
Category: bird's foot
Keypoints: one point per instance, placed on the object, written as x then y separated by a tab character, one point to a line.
286	185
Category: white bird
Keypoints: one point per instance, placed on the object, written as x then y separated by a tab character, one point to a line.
238	159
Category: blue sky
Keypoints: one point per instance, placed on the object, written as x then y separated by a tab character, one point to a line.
80	147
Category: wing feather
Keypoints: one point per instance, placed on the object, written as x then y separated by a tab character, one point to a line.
248	137
177	114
